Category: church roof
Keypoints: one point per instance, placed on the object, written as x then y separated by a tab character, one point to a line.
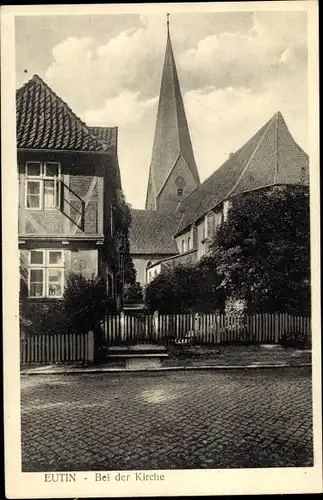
172	137
270	157
45	121
152	232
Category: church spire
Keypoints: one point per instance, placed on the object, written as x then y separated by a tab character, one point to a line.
173	172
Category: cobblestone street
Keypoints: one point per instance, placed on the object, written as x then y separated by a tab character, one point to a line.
241	418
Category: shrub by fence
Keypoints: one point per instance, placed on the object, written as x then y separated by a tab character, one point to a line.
57	348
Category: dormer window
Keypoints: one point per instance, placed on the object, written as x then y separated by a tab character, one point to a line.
43	189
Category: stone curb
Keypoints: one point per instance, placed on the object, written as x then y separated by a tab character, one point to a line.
74	371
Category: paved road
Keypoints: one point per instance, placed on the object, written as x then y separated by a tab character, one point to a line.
167	420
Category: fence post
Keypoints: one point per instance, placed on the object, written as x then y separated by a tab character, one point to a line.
156	324
218	329
122	325
90	344
277	332
196	323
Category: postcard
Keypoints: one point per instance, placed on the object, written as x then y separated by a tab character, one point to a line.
161	254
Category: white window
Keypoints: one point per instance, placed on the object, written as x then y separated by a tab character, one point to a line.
46	273
43	187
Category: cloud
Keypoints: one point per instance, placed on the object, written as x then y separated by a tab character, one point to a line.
235	59
86	73
222	120
124	109
223	50
236	70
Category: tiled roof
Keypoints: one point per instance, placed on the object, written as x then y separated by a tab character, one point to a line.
270	157
107	135
45	121
153	232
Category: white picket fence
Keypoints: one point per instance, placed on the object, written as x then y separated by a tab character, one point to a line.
57	348
209	328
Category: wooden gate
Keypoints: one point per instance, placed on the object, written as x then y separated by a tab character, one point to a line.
130	328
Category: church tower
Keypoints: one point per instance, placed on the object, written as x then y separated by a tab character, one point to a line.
173	173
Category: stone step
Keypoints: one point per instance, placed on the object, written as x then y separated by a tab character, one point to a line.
138	348
137	355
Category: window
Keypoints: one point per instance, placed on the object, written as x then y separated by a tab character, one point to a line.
189	243
180	183
43	188
46	273
183	246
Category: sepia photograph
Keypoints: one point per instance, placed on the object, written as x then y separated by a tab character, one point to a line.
164	242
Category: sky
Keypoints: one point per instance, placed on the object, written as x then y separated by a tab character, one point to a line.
236	70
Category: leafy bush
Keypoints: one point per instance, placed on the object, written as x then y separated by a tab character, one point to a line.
84	304
185	288
133	292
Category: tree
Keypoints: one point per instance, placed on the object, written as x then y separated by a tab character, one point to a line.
133	291
209	297
122	215
262	251
185	288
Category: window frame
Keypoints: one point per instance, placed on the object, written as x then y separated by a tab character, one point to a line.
41	179
43	295
28	180
45	267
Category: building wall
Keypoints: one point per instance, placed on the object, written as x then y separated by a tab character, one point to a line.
83	260
185	241
140	263
182	258
169	198
152	272
200	234
81	202
88	186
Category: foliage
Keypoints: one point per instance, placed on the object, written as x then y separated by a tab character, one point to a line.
84	304
262	251
298	340
23	297
122	218
133	291
85	301
259	260
185	288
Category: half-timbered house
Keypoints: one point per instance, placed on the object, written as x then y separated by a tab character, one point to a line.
68	179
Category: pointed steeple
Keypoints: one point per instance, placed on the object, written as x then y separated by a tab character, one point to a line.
173	172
